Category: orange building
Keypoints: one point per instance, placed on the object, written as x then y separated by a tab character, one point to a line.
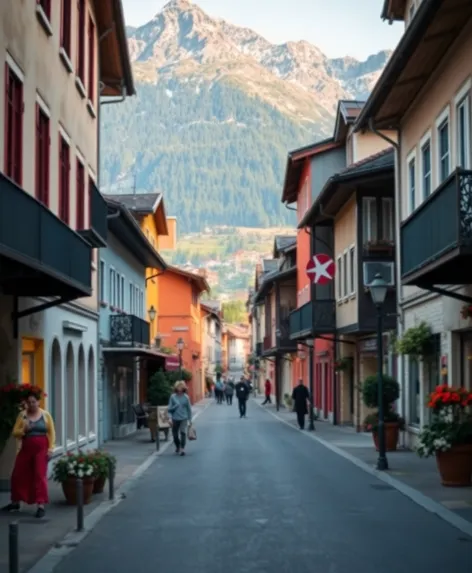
180	316
224	349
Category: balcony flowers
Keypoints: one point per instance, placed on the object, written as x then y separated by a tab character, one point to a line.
342	364
72	467
466	311
12	398
449	435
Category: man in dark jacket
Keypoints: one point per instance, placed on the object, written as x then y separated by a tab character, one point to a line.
301	400
242	393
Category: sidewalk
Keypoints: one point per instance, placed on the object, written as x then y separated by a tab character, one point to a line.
37	536
405	466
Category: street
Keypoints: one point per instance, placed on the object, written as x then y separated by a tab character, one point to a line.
254	495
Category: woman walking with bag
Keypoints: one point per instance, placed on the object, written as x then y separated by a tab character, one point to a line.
34	427
180	414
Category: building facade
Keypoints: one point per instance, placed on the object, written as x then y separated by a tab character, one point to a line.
49	177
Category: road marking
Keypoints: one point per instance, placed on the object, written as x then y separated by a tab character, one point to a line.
54	556
416	496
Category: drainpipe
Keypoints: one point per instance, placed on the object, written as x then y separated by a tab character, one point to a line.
398	218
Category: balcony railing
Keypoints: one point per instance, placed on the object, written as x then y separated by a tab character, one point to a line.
440	226
128	330
96	235
32	235
284	342
307	321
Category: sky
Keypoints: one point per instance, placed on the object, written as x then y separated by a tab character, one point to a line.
338	27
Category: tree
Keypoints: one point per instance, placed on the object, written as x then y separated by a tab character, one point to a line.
234	311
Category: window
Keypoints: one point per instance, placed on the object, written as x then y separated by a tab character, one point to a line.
131	298
102	281
13	126
64	180
388	224
91	60
412	184
414	388
42	156
352	270
81	40
426	168
80	195
463	132
112	287
122	293
66	19
118	301
46	7
369	219
444	150
345	275
339	274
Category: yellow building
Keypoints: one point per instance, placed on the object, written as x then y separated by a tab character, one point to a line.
149	211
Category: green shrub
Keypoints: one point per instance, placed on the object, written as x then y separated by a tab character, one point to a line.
370	395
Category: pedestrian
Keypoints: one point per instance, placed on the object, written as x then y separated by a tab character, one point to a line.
301	399
242	393
180	415
267	390
219	389
229	391
34	428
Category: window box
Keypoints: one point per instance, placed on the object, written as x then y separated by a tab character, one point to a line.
80	87
43	19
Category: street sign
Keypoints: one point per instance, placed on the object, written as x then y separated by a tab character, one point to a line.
321	269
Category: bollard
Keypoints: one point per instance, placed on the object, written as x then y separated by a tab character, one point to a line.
13	548
111	481
80	504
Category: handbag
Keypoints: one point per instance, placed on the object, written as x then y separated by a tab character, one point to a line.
191	433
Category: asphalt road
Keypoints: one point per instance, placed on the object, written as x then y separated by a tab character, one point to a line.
256	496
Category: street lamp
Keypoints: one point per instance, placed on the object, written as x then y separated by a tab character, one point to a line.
378	292
152	312
180	348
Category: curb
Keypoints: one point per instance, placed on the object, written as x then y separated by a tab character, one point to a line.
417	497
48	562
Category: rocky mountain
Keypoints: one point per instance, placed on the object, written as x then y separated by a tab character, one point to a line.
218	107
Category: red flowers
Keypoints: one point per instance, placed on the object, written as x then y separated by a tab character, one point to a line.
445	395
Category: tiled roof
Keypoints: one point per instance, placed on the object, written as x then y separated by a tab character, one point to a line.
381	160
138	202
269	265
284	241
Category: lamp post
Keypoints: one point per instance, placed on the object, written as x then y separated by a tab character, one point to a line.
180	348
152	312
378	292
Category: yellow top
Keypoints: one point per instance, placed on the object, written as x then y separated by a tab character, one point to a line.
19	429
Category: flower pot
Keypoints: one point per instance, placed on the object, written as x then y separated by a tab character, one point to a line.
392	430
455	466
69	487
99	484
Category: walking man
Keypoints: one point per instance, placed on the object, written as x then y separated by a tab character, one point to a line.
219	389
301	400
242	393
229	391
267	390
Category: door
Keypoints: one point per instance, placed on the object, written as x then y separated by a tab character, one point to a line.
325	389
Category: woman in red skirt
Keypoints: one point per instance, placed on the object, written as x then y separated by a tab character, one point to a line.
29	482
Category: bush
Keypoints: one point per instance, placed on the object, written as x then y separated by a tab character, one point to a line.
159	389
370	395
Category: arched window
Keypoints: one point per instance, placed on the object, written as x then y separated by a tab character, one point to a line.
71	395
82	391
54	399
91	394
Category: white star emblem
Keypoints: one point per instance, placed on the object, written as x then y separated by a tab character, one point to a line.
320	269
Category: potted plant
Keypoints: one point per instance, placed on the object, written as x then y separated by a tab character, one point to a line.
12	397
416	341
393	422
71	467
103	462
288	402
342	364
449	435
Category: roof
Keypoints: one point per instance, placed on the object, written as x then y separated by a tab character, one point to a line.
284	243
237	331
145	204
115	64
296	163
199	280
127	231
270	265
374	165
426	41
346	114
210	310
393	10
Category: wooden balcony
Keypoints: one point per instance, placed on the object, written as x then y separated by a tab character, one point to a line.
436	239
313	318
